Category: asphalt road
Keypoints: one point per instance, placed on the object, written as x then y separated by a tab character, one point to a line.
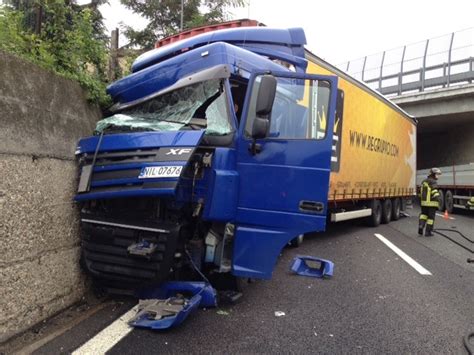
375	302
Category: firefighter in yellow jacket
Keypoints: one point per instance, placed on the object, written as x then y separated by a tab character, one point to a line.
470	204
429	195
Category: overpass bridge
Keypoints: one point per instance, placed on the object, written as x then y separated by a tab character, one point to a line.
432	80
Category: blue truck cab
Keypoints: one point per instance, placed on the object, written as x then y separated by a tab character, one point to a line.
216	154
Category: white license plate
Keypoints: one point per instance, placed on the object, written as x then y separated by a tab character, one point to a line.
153	172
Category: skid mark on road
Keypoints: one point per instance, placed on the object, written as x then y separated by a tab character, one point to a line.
108	337
414	264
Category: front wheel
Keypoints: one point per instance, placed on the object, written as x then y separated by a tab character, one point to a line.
297	242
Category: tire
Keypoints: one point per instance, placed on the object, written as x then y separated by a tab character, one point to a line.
441	201
226	281
448	201
386	211
297	242
396	209
376	217
403	203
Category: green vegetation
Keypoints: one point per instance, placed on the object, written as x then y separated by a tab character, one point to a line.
164	17
60	36
71	40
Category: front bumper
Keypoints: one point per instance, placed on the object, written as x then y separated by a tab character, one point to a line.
105	255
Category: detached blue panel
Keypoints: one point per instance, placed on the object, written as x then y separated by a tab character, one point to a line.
171	288
168	322
203	296
301	267
145	140
289	41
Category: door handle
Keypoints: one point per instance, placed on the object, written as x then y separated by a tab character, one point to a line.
311	206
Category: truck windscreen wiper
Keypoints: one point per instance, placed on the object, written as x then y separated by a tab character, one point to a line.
113	128
194	123
201	122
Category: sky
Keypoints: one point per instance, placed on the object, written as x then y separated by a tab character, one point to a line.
342	30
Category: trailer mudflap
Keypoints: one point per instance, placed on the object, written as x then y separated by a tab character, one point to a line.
301	267
166	307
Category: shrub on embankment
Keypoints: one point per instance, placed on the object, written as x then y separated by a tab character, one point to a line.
60	36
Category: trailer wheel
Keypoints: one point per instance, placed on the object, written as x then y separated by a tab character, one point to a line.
403	203
396	209
376	216
296	242
386	211
448	201
441	201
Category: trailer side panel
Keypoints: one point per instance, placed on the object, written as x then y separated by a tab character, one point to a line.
374	149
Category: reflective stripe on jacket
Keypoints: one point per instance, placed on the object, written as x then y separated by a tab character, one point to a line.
470	203
429	193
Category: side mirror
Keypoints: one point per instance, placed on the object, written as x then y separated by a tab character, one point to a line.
260	127
265	98
266	95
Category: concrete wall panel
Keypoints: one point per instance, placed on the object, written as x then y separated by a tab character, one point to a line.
41	118
41	113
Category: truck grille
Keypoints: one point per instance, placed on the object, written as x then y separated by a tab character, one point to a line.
123	157
105	255
125	176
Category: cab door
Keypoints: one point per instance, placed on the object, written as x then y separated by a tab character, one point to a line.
284	168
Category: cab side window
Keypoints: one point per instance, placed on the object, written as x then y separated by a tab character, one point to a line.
299	109
238	90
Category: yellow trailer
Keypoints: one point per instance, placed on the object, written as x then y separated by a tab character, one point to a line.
374	149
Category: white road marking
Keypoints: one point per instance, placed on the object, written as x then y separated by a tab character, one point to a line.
403	255
441	215
108	337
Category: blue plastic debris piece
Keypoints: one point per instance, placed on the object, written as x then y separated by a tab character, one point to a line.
172	288
301	267
164	308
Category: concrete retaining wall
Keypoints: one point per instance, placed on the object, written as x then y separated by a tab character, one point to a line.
41	118
454	146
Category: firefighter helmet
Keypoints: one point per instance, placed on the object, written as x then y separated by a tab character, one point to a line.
435	171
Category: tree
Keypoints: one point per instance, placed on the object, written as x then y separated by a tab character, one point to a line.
61	36
164	17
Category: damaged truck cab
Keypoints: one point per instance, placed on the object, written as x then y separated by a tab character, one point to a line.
217	153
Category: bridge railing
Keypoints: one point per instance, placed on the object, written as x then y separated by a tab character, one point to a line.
435	63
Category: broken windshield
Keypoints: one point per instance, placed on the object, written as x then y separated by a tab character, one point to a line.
197	106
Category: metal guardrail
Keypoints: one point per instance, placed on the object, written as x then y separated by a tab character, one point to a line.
446	80
439	62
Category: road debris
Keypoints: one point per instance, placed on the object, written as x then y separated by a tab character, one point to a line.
166	307
311	266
